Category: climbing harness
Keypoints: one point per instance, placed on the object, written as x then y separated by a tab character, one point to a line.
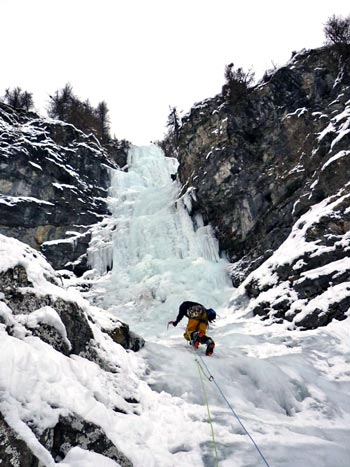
211	378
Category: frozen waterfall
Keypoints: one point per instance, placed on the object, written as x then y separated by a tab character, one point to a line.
160	255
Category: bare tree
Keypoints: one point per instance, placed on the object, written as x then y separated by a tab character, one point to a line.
337	33
337	30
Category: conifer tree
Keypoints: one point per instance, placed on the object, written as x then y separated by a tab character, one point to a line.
65	105
174	124
103	121
18	99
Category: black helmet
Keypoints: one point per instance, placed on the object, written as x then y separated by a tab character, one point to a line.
211	314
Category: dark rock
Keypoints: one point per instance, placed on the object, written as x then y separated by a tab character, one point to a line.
78	330
73	430
246	265
12	279
13	451
126	338
319	317
69	253
25	302
262	309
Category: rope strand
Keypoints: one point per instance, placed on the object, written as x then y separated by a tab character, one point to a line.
200	371
211	378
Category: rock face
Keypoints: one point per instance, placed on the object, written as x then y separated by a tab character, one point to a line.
70	431
13	451
262	163
58	322
77	330
73	429
122	335
53	181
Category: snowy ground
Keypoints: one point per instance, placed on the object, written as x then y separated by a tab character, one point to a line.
290	389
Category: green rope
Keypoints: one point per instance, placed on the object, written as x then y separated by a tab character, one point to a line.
210	378
201	373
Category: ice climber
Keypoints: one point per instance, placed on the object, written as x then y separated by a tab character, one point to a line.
198	319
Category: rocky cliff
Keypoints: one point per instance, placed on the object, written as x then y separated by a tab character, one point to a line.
271	167
53	185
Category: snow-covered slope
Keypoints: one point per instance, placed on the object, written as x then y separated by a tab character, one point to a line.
291	390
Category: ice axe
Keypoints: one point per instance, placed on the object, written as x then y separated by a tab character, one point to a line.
170	322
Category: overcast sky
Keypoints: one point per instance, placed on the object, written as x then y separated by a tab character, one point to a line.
142	56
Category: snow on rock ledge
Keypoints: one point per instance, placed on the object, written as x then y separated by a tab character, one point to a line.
307	279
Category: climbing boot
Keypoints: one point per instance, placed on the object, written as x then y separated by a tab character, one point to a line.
196	338
210	348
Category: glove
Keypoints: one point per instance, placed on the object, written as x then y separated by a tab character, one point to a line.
174	323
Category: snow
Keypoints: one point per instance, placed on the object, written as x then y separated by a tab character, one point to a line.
297	169
297	113
64	186
329	129
12	200
339	137
78	457
322	302
334	158
14	252
345	115
45	315
39	389
69	240
338	266
290	389
37	166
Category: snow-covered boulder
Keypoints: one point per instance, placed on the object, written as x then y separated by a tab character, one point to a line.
58	362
